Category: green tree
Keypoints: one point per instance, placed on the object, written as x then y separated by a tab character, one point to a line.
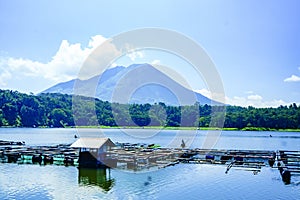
10	113
58	117
28	116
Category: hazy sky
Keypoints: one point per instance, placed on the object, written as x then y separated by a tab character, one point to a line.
255	45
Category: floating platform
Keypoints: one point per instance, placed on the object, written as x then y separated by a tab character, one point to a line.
288	164
135	157
4	143
144	157
59	154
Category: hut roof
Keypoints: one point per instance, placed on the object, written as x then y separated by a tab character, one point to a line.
93	143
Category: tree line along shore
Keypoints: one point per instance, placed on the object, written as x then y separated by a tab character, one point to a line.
60	110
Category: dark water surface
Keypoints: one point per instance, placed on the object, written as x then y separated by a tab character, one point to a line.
182	181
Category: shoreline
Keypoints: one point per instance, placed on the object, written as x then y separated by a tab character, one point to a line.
246	129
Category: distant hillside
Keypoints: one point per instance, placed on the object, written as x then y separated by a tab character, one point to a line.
115	84
58	110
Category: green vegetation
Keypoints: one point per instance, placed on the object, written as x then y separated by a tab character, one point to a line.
60	110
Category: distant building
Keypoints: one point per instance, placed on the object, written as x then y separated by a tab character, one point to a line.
94	152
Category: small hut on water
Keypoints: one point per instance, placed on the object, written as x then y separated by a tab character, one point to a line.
93	152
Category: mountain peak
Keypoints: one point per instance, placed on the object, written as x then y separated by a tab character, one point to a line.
137	83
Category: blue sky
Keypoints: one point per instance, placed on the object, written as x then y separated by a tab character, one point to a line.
255	45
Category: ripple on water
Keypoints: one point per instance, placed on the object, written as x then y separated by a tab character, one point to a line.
182	181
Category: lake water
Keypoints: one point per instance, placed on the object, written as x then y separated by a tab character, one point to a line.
182	181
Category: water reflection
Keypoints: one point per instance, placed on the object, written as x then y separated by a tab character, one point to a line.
96	177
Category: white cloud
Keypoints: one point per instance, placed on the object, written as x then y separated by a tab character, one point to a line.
24	66
220	97
95	41
4	76
254	97
293	78
204	92
254	100
134	55
114	65
156	62
63	66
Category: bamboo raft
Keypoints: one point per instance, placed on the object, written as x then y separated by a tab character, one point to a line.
288	163
60	154
143	157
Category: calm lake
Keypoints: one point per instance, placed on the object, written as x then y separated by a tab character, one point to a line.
182	181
